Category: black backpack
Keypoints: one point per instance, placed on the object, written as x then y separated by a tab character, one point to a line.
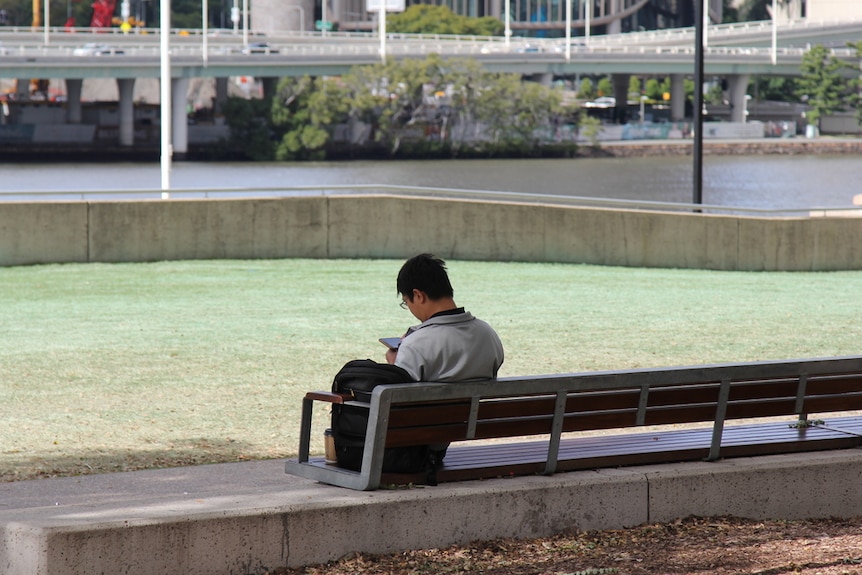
360	377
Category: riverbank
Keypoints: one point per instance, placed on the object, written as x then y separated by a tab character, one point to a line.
759	147
607	149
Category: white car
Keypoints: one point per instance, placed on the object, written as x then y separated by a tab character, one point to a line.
94	49
603	102
259	48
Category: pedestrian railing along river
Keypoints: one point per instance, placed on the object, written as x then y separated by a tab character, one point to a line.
419	192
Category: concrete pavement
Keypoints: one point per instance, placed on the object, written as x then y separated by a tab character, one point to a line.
244	518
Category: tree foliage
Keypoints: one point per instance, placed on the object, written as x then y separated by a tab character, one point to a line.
822	85
655	88
430	19
777	89
250	129
433	104
304	112
587	90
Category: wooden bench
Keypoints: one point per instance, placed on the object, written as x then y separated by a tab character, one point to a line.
555	407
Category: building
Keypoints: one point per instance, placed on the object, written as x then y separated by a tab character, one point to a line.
528	17
834	10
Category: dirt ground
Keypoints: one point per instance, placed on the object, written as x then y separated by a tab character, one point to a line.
690	546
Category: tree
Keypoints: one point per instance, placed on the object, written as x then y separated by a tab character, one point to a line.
307	110
466	79
430	19
493	111
634	93
605	87
655	90
537	110
586	91
777	89
250	129
854	100
821	85
391	96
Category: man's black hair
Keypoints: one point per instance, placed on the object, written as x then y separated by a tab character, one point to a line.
427	273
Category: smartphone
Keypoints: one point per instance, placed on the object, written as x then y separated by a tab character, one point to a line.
391	342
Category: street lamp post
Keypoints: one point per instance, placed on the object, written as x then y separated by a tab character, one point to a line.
507	23
569	30
47	20
774	32
205	16
697	192
165	105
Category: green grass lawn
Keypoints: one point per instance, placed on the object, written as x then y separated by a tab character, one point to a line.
126	366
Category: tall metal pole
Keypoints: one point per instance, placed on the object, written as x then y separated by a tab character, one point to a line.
588	17
507	24
698	103
47	21
165	108
381	25
569	30
774	33
245	22
205	16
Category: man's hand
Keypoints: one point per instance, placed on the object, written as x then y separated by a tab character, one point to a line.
391	354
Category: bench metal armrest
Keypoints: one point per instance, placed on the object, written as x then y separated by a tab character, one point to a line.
329	396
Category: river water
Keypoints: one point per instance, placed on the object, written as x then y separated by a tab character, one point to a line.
771	182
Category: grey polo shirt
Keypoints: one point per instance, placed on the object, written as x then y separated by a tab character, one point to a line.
451	347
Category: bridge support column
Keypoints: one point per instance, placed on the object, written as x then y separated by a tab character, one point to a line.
737	85
543	79
179	117
269	86
220	95
621	94
615	26
677	97
73	100
22	89
126	87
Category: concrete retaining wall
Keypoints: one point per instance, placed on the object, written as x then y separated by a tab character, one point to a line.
397	227
177	524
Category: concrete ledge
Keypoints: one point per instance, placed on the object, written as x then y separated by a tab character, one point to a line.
244	518
386	226
806	485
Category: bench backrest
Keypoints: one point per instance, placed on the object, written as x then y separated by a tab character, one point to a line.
622	399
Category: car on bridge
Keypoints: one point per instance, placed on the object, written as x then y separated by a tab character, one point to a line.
96	49
259	48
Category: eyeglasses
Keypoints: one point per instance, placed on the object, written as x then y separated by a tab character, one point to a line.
403	304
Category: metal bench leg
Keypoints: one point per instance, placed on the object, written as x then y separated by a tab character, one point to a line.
720	414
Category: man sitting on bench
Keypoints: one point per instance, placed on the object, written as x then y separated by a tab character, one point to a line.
450	345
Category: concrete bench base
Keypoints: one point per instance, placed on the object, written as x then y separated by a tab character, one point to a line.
244	518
